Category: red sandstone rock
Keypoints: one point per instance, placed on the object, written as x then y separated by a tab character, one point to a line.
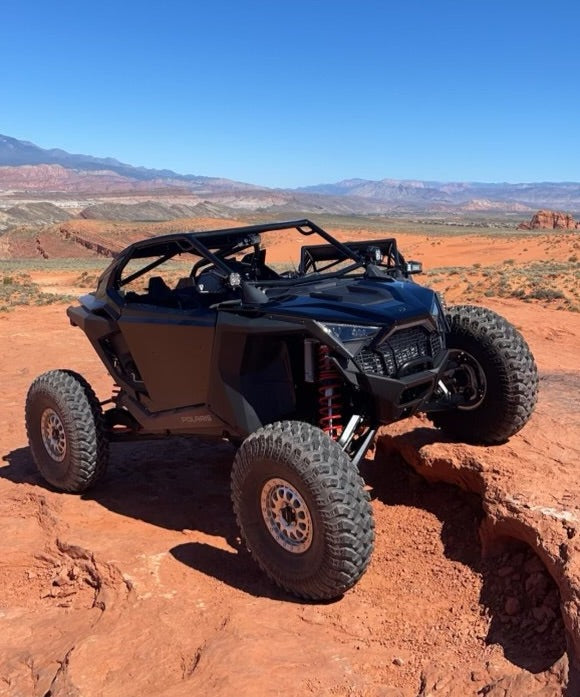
550	220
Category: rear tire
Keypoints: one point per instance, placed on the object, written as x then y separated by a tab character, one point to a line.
509	383
66	433
302	510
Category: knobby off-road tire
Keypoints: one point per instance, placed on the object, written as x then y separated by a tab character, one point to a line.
302	510
66	433
511	377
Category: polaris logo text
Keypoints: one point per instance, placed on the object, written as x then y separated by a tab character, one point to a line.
201	419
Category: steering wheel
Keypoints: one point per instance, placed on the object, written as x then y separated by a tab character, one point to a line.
197	268
212	273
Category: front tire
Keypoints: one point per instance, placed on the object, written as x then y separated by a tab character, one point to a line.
302	510
492	354
66	433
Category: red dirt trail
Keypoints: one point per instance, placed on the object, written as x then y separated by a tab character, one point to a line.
142	587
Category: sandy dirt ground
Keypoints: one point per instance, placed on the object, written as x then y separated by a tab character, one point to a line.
142	587
436	251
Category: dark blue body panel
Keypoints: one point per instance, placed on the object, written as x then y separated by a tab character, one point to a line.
358	301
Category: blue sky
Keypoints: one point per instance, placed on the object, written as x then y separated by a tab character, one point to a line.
289	93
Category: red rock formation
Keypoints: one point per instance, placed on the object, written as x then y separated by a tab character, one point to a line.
550	220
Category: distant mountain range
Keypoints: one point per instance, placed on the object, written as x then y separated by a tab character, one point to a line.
25	167
71	172
474	196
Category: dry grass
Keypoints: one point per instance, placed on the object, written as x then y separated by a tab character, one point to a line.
94	264
19	289
553	284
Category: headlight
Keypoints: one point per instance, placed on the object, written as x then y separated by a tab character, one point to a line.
435	307
438	314
353	336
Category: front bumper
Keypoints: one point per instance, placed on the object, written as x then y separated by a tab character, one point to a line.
395	399
390	399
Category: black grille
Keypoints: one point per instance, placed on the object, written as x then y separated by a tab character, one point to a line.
401	348
436	343
370	361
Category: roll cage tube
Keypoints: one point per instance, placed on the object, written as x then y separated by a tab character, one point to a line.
203	241
145	269
240	246
163	248
216	244
319	253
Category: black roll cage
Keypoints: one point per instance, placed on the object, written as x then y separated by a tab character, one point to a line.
311	255
215	245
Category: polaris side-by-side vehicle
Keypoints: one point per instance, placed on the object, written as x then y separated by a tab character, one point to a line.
296	364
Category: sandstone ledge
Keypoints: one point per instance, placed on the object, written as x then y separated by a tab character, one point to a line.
548	522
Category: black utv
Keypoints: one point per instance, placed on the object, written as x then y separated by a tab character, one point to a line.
296	363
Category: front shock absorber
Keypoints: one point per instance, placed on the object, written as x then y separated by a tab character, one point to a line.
329	395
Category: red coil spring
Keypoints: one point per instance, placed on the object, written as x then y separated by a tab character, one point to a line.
329	395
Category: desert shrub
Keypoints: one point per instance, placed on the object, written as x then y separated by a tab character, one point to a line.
87	279
546	294
20	290
518	293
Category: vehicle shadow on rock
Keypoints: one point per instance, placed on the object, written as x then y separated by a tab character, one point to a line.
181	484
236	569
176	483
20	469
517	593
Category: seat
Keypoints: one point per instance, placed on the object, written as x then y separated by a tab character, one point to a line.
257	266
158	290
186	282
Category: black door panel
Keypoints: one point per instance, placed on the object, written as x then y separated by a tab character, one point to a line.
172	351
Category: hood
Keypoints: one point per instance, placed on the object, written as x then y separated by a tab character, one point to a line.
380	302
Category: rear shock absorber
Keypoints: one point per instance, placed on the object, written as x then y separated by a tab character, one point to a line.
329	395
